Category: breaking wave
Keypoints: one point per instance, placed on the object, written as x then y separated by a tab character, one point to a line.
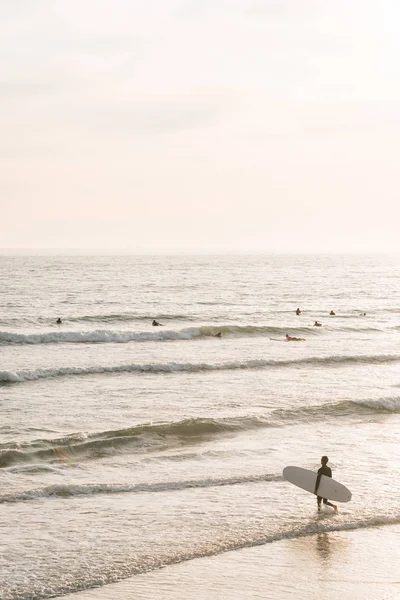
139	438
160	334
156	437
104	336
73	490
10	377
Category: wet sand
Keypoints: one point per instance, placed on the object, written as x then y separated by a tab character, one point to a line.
363	564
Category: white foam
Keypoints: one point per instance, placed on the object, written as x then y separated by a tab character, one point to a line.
98	336
34	374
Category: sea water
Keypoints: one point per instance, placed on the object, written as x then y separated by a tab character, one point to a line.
125	447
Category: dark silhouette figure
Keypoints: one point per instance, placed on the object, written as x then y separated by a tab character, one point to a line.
324	470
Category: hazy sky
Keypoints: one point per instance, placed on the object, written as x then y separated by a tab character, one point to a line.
259	125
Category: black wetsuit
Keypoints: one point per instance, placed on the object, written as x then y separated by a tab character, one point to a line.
324	470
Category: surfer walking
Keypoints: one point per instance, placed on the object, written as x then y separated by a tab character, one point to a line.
323	470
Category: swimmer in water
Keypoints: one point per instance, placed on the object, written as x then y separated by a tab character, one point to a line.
323	470
58	321
219	334
298	312
290	338
316	324
156	323
332	314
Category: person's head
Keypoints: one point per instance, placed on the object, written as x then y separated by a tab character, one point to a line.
324	460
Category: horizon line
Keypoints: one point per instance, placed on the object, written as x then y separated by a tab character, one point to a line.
18	251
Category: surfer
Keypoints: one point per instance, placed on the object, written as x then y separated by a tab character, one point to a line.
219	334
156	323
317	324
298	312
332	314
58	321
290	338
323	470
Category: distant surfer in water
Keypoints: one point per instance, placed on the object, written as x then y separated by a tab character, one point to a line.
156	323
298	312
332	314
290	338
323	470
317	324
219	334
58	321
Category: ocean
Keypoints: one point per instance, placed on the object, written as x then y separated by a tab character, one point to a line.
126	447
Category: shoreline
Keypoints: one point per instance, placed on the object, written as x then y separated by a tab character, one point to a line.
353	565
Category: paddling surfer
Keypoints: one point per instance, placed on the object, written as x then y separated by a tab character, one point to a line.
323	470
290	338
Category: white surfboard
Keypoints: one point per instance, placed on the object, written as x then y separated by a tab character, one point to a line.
306	479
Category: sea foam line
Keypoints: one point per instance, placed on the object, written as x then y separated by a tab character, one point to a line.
110	336
74	490
98	336
159	334
134	565
175	367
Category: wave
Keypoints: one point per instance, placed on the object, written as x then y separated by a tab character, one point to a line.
344	408
13	377
158	437
139	438
104	336
98	336
110	336
74	490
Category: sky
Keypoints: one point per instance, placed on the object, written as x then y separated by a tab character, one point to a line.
200	125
